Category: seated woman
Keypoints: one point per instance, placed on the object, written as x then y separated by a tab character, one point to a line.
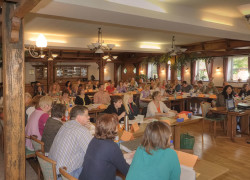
74	90
65	99
121	88
40	91
103	157
157	107
145	93
37	120
244	92
82	98
54	90
130	107
154	159
89	85
68	86
116	107
53	125
211	89
227	93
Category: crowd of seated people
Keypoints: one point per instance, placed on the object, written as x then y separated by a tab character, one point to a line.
96	156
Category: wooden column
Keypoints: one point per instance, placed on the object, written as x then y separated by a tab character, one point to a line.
50	74
248	68
137	65
146	71
101	63
173	71
13	80
116	66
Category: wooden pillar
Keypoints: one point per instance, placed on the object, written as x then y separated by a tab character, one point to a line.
248	68
146	71
137	65
50	74
116	66
173	71
13	79
101	63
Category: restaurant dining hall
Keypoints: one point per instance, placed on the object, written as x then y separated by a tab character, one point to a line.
124	90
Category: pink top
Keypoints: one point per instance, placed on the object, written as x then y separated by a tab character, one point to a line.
35	126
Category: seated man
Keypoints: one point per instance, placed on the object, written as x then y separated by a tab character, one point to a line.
53	125
111	88
186	87
71	142
101	97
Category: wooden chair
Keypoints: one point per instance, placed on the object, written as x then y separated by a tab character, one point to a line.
65	175
205	106
37	144
47	165
29	153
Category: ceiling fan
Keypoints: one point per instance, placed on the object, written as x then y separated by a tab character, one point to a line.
175	50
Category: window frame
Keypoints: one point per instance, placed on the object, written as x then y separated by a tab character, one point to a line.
230	75
197	70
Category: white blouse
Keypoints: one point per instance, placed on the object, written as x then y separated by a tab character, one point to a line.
152	109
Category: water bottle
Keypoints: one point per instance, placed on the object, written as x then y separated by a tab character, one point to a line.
126	122
242	96
171	144
66	115
174	94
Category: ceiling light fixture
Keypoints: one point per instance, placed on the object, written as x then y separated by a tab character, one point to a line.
98	47
109	57
174	49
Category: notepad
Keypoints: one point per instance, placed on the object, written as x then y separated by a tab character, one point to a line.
213	96
129	146
187	159
201	95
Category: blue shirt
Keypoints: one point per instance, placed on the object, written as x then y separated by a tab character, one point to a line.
102	159
163	164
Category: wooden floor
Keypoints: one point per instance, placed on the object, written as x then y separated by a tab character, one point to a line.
220	150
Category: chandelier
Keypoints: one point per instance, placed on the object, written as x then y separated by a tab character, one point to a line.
41	43
174	49
98	47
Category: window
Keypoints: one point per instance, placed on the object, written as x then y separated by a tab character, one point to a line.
179	74
152	71
125	70
238	68
201	71
169	72
134	70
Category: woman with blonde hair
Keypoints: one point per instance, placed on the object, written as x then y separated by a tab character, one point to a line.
54	90
154	159
130	107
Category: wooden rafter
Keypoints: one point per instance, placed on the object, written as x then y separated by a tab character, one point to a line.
23	7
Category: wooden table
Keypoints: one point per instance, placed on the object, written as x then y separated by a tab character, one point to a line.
208	170
175	126
232	120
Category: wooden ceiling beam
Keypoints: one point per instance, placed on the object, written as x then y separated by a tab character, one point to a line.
224	44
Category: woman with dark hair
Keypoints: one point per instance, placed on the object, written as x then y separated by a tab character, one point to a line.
103	156
227	93
154	159
68	86
82	98
244	91
116	107
52	126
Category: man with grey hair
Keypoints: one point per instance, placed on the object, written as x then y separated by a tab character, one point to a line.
71	142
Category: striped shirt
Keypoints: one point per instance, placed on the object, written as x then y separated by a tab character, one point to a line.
70	145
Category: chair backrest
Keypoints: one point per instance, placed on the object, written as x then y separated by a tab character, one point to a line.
37	144
47	165
65	175
29	153
205	108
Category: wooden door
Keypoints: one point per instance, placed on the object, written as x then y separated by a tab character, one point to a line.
128	71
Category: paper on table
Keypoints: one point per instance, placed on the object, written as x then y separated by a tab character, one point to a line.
187	173
149	120
126	136
201	95
213	96
187	159
138	119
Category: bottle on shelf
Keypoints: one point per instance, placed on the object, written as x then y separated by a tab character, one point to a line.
171	144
